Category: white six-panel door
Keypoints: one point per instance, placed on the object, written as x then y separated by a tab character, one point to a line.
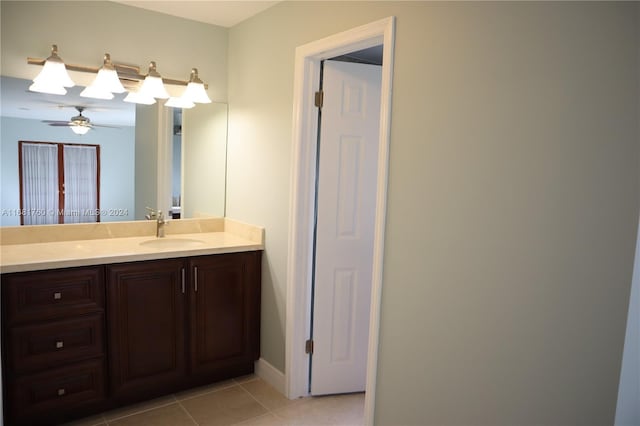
348	157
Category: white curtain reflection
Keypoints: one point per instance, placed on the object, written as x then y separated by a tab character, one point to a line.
40	183
80	184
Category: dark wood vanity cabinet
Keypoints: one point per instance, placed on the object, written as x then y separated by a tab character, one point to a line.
182	322
81	340
53	347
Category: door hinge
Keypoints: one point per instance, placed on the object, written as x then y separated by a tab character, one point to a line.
319	98
308	346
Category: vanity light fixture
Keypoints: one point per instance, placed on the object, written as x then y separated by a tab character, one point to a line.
143	89
106	82
195	89
54	77
152	85
137	97
96	93
181	102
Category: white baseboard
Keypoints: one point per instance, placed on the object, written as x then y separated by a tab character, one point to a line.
270	374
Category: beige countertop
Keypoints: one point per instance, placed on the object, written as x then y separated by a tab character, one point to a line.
31	256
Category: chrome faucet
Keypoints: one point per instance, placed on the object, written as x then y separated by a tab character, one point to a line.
158	216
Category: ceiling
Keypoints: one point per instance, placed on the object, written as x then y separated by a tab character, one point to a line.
222	13
372	56
17	101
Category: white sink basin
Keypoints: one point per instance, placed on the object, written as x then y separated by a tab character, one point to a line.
172	243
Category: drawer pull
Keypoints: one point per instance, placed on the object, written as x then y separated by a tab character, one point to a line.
61	392
57	295
59	344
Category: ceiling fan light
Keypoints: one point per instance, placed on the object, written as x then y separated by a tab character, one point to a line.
54	72
96	93
80	130
180	102
52	89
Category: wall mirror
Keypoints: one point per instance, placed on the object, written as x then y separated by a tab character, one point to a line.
149	156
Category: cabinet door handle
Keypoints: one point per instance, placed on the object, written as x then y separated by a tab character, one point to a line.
182	280
59	344
195	278
61	392
57	295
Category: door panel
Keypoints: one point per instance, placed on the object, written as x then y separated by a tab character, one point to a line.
347	179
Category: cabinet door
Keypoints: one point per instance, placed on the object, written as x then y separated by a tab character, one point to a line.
146	321
225	312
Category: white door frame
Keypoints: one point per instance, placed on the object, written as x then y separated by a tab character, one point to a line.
301	209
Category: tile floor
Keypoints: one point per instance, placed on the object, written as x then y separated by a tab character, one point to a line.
246	401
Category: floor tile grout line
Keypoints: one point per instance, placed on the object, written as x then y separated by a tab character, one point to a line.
175	400
253	418
206	392
188	413
255	378
256	399
107	421
269	411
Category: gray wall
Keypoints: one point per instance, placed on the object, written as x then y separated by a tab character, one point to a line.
513	200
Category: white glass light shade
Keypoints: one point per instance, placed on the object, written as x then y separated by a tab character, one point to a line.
180	102
196	93
53	89
107	81
153	87
54	77
139	98
80	130
96	93
54	72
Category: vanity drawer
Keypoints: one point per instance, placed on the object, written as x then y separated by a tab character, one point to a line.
39	346
57	390
36	296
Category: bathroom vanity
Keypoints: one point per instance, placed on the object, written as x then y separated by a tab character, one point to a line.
84	331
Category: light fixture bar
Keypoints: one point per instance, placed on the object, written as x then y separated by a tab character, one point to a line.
124	71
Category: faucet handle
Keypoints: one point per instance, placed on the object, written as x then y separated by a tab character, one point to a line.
153	213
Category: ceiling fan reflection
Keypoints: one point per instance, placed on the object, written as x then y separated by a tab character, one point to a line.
80	124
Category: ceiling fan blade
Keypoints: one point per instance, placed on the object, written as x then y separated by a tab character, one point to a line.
54	121
104	125
60	124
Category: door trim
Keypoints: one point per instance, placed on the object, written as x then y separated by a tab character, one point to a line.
301	208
